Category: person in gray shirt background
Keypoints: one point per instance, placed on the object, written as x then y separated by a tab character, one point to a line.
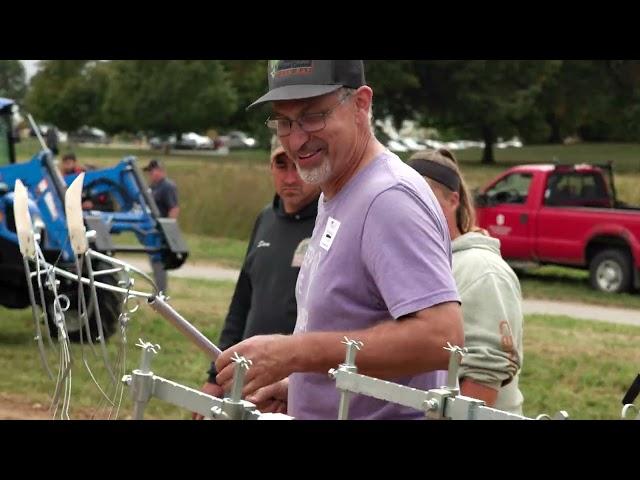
165	194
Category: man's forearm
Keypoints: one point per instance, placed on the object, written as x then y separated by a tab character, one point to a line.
472	389
174	212
391	349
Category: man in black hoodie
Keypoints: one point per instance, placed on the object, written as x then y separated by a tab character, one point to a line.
264	301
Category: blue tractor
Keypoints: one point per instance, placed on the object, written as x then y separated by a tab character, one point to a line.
121	202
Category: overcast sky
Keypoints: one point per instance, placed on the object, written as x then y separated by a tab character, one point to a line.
30	66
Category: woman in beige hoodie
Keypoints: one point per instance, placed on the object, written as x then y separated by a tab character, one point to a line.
488	287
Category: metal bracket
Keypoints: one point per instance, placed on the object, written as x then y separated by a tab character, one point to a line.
145	385
349	365
438	403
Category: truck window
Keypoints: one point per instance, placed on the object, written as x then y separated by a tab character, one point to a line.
513	188
574	189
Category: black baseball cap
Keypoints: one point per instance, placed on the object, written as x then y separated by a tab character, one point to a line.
152	165
300	79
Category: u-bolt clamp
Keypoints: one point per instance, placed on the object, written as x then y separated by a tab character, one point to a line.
454	366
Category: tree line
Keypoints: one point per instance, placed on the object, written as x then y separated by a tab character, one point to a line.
542	101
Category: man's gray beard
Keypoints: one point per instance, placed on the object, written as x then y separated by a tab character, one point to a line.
317	175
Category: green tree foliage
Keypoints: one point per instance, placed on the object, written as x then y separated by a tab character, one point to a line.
249	79
396	88
543	101
482	98
66	93
167	96
12	79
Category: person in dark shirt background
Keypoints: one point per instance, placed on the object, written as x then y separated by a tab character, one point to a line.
165	194
264	300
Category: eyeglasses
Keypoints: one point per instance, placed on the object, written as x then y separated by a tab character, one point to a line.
309	123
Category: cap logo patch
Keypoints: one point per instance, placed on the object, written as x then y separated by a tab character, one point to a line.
285	68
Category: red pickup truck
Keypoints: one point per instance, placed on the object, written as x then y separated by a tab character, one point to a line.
565	215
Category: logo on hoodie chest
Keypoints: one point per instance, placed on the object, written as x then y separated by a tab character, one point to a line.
300	252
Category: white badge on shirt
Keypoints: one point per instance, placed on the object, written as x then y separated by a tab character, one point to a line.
330	232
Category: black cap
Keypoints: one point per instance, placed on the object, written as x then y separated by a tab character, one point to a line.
152	165
299	79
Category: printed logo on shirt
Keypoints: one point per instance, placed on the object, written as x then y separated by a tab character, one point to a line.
299	254
330	232
262	243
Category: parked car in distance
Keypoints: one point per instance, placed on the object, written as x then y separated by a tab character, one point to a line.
238	139
188	141
86	134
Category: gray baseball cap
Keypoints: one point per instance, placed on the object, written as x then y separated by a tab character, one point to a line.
300	79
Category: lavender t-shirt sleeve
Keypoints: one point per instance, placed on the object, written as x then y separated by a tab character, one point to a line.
407	251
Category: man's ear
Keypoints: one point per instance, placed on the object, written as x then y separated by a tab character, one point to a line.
363	99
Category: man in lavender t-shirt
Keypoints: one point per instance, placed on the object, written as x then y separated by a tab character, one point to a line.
377	269
389	255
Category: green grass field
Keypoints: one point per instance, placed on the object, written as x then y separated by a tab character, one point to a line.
579	366
203	303
221	195
547	282
569	284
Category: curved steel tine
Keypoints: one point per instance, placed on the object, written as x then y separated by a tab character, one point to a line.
67	390
66	362
82	307
45	314
96	309
69	368
36	320
64	373
120	365
83	314
27	244
122	354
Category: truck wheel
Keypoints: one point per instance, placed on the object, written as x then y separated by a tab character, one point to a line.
110	305
610	271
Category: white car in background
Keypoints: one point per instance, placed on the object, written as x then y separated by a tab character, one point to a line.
188	141
237	139
196	141
63	137
513	143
